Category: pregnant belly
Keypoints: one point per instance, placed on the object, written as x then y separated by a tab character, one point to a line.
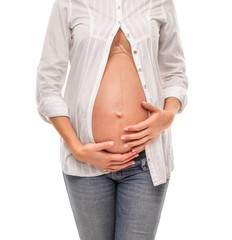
118	102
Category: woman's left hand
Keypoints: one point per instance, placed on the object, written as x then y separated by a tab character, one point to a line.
141	134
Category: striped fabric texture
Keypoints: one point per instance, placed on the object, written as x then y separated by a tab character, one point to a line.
74	56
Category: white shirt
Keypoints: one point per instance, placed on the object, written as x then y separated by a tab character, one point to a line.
80	32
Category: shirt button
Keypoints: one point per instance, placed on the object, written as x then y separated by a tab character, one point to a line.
145	86
148	159
140	69
128	35
119	22
119	7
135	52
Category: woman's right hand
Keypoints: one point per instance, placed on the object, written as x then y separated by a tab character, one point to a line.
95	154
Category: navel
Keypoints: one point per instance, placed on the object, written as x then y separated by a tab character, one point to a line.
119	114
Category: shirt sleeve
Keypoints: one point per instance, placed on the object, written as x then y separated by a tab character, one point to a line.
171	57
52	69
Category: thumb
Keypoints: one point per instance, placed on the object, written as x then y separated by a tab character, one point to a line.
151	107
103	145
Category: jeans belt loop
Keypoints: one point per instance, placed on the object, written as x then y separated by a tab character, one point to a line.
143	164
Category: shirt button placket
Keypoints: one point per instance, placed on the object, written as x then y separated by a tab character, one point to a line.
139	69
118	11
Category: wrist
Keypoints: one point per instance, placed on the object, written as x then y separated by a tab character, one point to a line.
170	114
172	105
77	150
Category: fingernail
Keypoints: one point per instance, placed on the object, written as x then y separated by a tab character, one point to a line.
125	129
123	138
133	150
136	155
111	143
125	145
132	163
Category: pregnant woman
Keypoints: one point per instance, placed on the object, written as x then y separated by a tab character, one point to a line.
125	84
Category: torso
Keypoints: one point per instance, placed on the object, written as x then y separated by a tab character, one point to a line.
118	101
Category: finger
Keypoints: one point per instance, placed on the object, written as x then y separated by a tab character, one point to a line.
122	161
117	167
149	106
141	147
103	145
138	127
122	157
134	136
137	142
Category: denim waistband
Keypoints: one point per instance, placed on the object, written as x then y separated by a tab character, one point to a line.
141	159
141	155
140	164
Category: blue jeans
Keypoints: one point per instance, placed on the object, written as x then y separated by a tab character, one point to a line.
122	205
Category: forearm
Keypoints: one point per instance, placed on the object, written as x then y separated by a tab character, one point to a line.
92	153
64	127
172	105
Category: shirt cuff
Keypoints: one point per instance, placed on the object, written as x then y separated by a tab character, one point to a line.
52	107
179	93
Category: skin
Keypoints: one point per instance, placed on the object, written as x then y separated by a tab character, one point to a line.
119	100
126	128
141	134
146	131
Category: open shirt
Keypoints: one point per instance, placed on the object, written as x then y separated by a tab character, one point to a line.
79	35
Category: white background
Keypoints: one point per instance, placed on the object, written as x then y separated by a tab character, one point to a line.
34	204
